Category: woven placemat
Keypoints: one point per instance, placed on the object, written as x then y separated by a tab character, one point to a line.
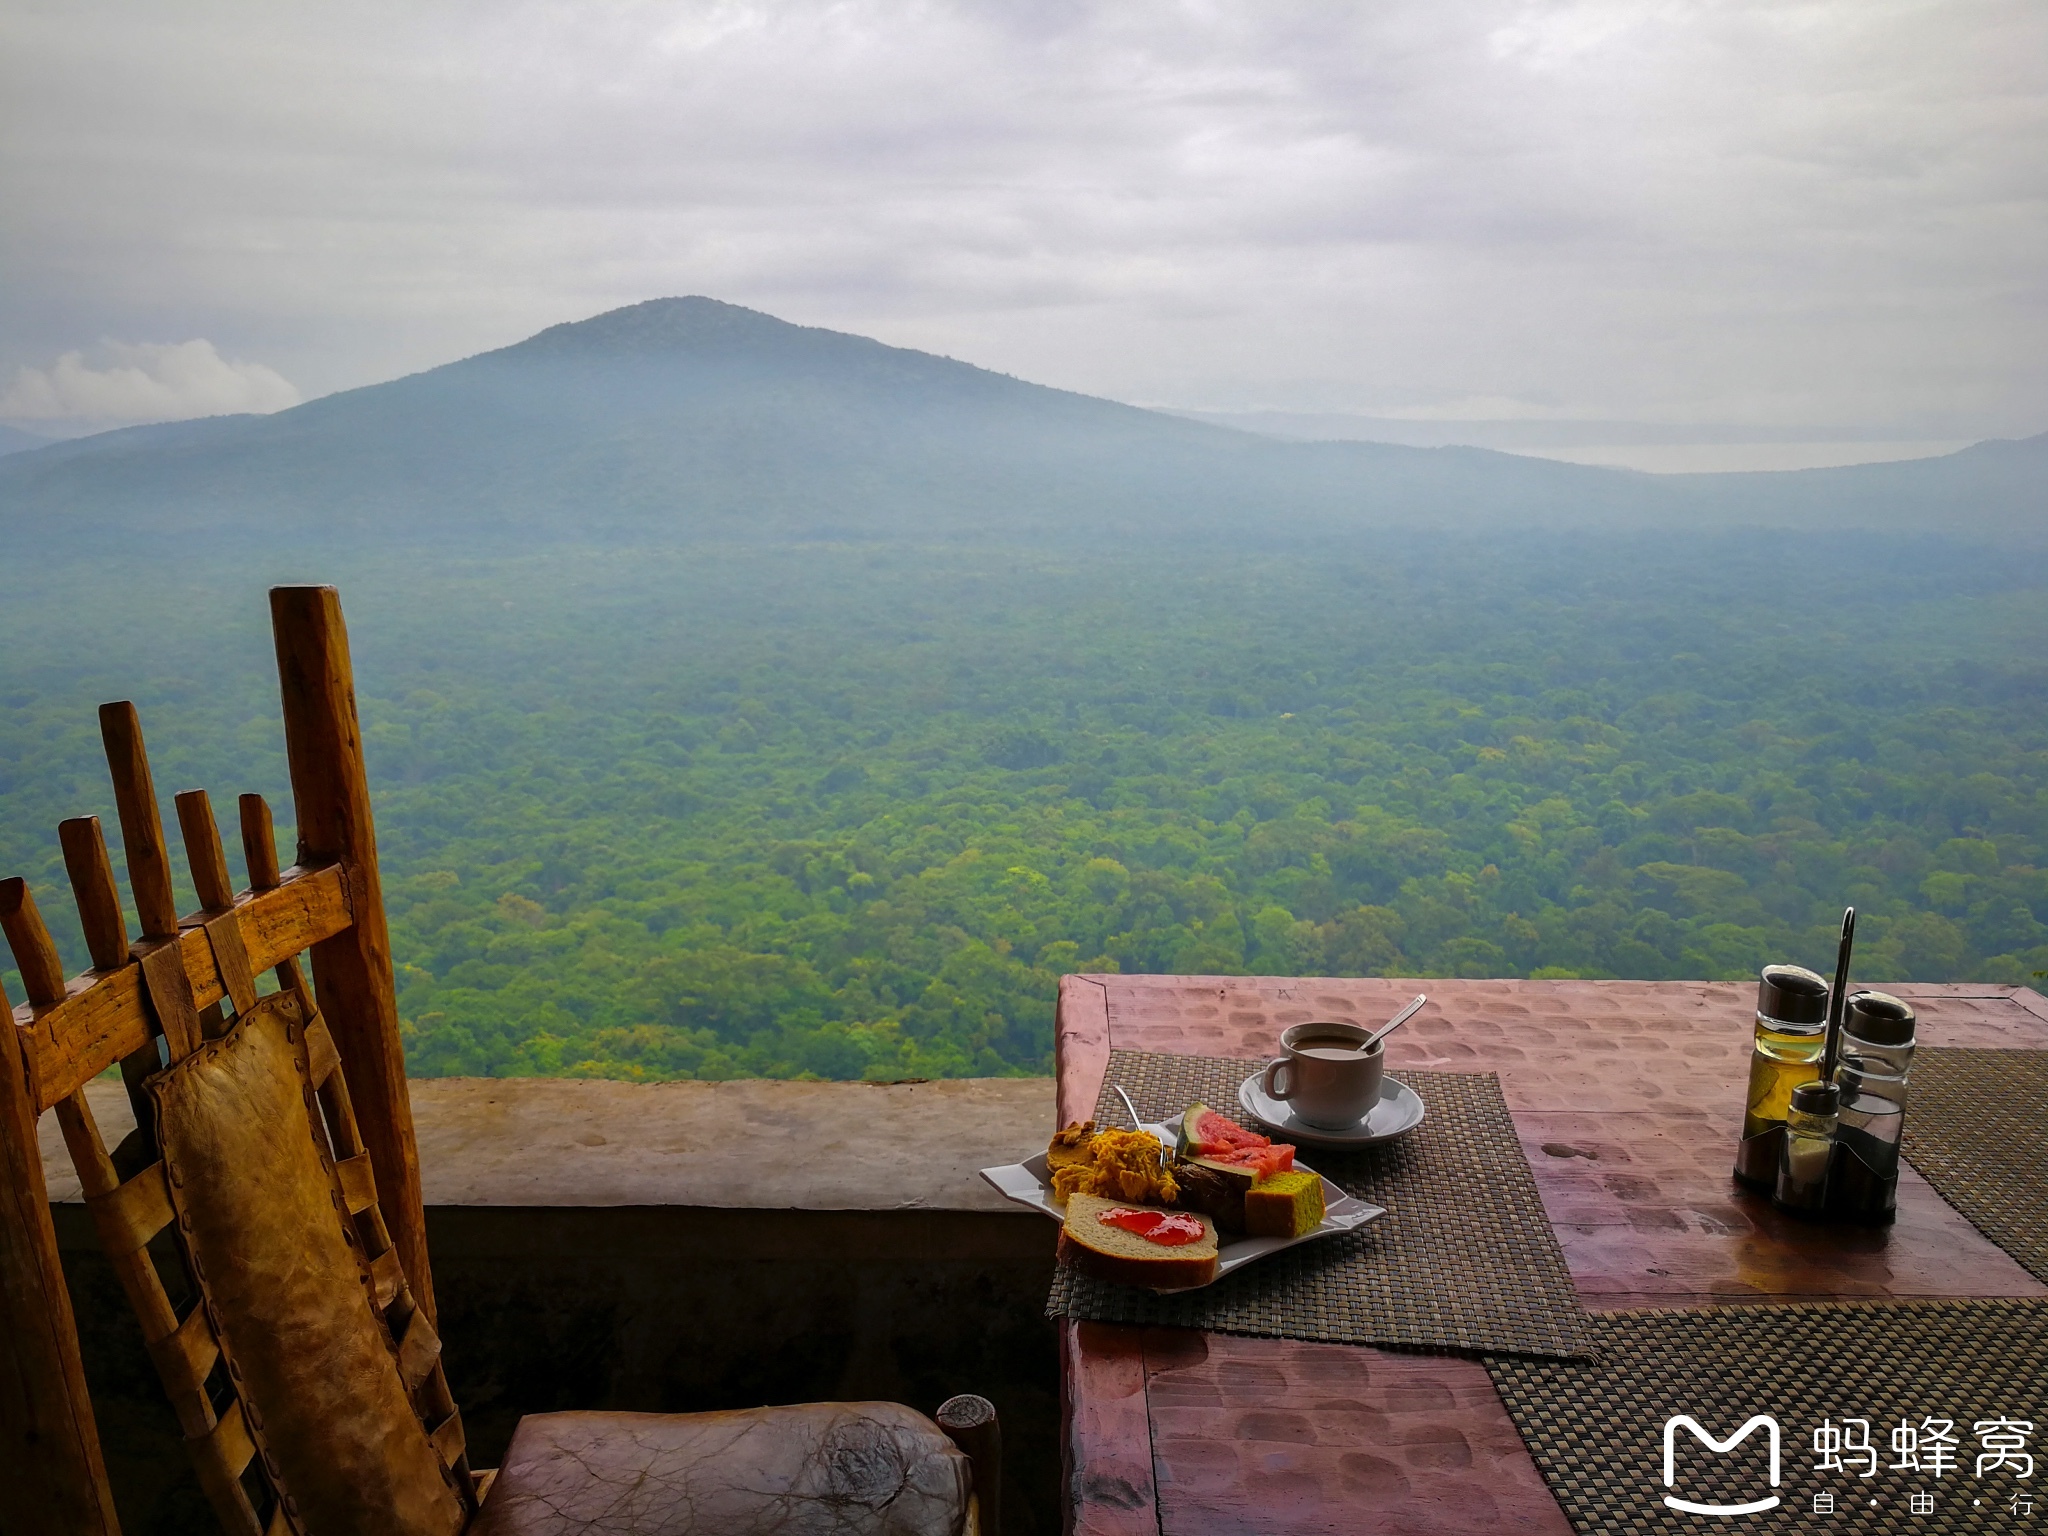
1977	1130
1597	1430
1464	1259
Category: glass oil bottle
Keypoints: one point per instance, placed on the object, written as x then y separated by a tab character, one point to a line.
1791	1033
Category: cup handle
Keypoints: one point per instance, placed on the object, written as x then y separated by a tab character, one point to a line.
1270	1081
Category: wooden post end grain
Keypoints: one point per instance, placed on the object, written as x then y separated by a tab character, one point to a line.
203	853
35	955
259	844
970	1423
92	886
142	825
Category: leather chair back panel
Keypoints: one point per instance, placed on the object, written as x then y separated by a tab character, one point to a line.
282	1274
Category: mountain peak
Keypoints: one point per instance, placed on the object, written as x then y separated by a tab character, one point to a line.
691	324
691	343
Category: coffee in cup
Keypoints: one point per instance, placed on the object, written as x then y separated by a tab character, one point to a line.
1326	1076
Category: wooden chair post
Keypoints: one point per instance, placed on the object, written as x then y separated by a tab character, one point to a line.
54	1477
970	1423
352	975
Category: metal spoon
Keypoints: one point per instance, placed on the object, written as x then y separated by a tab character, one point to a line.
1387	1028
1838	995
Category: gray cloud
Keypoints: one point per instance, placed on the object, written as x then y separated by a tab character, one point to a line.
1832	213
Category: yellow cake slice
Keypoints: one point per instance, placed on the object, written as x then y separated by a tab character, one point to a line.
1286	1205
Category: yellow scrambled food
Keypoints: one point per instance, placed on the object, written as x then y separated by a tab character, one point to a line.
1072	1147
1121	1165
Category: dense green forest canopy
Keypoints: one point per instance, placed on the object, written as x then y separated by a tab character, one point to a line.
851	808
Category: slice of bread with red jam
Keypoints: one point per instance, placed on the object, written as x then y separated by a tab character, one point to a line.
1138	1244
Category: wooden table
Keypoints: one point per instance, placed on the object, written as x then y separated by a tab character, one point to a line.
1628	1099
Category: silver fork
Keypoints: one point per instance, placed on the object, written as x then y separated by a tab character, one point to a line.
1138	1123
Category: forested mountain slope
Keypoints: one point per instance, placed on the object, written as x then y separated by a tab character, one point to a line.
693	419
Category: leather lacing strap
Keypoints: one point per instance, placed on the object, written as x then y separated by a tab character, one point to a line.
321	1056
358	1182
168	992
185	1357
231	959
418	1352
448	1439
133	1212
220	1458
387	1277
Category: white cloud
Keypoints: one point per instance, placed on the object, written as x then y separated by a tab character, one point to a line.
145	382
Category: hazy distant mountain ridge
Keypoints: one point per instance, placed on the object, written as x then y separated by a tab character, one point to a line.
14	440
1998	488
680	419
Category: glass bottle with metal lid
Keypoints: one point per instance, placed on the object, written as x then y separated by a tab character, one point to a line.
1812	1123
1876	1059
1791	1032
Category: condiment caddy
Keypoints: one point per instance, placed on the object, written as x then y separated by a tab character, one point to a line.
1826	1106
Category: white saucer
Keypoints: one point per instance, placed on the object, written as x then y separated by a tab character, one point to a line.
1398	1112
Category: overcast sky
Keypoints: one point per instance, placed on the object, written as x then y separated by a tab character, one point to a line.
1824	215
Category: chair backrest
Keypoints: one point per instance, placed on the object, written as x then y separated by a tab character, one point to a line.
177	1009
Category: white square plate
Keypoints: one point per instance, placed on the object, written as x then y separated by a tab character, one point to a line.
1027	1184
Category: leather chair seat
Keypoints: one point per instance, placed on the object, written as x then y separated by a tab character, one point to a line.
819	1469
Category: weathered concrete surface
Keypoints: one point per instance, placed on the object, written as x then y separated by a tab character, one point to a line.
564	1143
742	1145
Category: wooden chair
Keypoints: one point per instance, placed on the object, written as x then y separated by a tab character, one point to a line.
273	1173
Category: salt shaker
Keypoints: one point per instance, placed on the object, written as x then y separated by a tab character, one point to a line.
1809	1147
1876	1060
1791	1032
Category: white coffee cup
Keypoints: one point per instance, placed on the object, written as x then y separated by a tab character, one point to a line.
1327	1077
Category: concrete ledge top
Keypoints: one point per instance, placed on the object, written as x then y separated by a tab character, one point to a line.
753	1145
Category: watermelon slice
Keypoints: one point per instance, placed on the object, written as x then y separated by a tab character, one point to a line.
1221	1141
1263	1161
1204	1132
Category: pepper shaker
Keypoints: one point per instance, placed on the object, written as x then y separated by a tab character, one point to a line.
1809	1148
